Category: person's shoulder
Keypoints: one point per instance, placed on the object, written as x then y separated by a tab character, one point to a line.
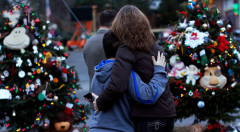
157	47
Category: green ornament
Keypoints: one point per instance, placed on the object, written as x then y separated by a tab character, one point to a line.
41	96
199	15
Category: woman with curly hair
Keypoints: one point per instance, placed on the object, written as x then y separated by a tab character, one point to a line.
135	52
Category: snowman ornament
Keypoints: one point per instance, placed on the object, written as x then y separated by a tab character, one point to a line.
17	39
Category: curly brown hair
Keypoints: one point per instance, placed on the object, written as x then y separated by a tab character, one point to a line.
132	28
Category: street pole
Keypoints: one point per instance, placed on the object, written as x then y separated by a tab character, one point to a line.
94	18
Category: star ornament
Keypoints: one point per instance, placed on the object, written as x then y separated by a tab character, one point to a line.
196	94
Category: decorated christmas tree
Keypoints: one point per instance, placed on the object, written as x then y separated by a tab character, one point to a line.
36	83
204	65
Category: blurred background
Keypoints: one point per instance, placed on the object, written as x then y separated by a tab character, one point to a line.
161	13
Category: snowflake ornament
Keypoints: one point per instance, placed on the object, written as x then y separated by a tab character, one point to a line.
195	38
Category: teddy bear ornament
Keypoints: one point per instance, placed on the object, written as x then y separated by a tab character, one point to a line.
213	78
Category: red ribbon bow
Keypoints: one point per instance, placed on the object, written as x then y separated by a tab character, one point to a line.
183	12
179	82
194	34
211	46
216	125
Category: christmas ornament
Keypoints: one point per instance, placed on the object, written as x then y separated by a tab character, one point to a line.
35	42
21	74
48	42
195	38
64	74
19	62
59	62
197	23
172	47
196	94
182	25
234	84
220	22
29	62
17	97
12	16
194	56
205	26
41	96
203	56
192	74
38	71
173	59
223	43
55	98
223	29
191	4
45	125
5	94
35	49
29	74
48	57
38	82
44	27
6	73
229	26
200	104
14	113
55	80
190	93
178	70
213	93
17	39
213	78
2	78
189	29
50	77
196	128
68	108
191	23
212	23
237	54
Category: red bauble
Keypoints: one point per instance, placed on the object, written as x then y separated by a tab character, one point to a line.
213	23
36	20
64	70
197	23
9	55
65	55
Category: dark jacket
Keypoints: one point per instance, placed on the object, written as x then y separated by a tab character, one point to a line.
140	62
93	52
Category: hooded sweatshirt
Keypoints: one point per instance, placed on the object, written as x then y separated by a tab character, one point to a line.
118	118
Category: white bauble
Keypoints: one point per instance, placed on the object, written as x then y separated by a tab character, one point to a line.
200	104
172	47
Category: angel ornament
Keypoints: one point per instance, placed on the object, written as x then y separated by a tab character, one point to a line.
192	74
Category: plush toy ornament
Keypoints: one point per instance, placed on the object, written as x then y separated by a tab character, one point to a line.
213	78
5	94
178	67
196	128
62	123
17	39
192	74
